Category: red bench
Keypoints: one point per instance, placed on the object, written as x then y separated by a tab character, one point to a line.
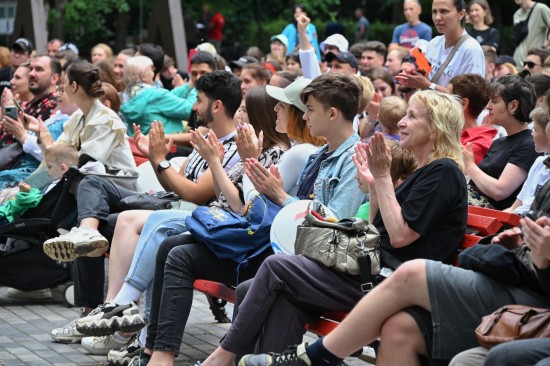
480	221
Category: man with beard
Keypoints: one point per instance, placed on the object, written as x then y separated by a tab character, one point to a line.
218	98
43	78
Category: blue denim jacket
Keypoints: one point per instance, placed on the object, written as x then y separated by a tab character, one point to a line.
335	186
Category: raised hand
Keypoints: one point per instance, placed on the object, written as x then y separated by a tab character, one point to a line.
378	156
248	145
268	182
141	141
158	149
209	148
364	176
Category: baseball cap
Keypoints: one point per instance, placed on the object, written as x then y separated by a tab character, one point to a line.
207	47
290	94
504	59
344	57
281	38
336	40
69	47
23	44
244	60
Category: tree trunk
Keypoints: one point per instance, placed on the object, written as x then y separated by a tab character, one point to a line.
121	30
57	29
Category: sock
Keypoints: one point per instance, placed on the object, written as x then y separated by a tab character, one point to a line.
118	337
319	355
127	294
143	336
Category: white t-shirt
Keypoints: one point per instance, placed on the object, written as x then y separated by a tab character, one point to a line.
468	59
538	175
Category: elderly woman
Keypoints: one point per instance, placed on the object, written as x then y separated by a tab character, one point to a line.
425	217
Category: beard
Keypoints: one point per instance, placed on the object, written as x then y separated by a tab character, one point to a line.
206	118
38	88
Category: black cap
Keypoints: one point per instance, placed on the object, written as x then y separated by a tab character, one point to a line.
22	44
504	59
344	57
244	60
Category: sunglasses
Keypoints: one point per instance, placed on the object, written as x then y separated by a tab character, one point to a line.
530	64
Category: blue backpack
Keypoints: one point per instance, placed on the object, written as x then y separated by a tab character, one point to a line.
233	236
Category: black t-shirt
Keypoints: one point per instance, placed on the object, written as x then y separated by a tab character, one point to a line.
434	203
518	149
487	37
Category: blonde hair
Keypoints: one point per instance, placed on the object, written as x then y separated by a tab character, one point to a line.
134	67
61	153
392	110
367	95
446	120
513	70
108	50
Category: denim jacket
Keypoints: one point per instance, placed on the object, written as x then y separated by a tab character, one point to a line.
335	186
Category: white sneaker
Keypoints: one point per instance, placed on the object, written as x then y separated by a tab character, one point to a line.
77	242
33	295
67	334
123	356
111	317
101	345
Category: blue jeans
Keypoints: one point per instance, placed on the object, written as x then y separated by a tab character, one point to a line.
160	225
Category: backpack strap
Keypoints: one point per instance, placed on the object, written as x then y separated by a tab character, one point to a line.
462	39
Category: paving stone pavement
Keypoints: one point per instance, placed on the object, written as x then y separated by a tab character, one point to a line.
25	327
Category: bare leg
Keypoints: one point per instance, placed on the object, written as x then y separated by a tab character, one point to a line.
406	287
162	358
128	227
400	332
220	357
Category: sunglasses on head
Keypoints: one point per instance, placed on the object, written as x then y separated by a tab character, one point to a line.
530	64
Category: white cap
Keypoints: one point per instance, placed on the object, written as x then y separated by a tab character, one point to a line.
290	94
336	40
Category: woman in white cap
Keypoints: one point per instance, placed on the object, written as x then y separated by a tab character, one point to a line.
278	49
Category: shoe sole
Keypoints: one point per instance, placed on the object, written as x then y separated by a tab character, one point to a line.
104	327
67	340
66	251
122	360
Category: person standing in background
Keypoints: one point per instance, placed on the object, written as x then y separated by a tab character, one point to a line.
407	34
361	27
481	18
291	33
538	25
214	27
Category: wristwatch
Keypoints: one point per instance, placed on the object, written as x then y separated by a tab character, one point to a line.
163	165
432	86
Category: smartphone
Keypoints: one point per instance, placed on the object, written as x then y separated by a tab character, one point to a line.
419	60
10	111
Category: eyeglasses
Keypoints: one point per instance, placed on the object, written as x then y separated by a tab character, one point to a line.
530	64
60	89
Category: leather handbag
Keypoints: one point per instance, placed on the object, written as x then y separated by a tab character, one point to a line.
339	244
513	322
143	201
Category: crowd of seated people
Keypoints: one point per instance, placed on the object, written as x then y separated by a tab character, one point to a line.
340	124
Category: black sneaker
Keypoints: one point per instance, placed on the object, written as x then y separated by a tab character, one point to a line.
124	356
109	318
293	356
